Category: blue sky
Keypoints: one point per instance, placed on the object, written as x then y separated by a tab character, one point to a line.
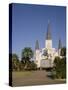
29	23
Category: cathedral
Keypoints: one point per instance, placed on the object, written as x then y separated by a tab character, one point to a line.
44	57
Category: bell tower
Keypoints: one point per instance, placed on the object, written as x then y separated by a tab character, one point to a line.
48	41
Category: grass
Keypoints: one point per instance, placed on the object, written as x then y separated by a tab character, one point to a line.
23	78
17	74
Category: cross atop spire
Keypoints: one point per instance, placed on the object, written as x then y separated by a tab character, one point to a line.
48	35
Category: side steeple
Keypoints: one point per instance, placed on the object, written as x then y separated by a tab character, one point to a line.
59	44
48	34
37	45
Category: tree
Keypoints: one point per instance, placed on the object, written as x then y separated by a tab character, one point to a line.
57	65
63	54
60	65
63	67
56	61
33	65
63	51
27	54
15	62
21	66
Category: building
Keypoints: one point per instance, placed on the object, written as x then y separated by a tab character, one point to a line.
44	57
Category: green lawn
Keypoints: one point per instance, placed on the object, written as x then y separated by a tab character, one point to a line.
39	77
21	73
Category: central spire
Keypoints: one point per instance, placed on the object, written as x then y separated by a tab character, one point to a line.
48	35
48	41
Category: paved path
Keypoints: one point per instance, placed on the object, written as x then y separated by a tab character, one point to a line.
36	78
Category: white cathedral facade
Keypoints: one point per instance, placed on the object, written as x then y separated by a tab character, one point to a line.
44	57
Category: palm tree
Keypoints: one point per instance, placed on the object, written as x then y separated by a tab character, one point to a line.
27	54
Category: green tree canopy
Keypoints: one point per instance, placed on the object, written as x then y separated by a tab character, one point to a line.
60	67
27	53
63	51
15	62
